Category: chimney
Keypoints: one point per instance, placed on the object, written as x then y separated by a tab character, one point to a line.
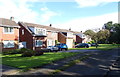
50	25
69	29
12	18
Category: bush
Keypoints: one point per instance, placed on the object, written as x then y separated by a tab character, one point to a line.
38	53
28	53
16	51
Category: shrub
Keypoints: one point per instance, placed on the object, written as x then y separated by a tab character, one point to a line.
28	53
38	53
16	51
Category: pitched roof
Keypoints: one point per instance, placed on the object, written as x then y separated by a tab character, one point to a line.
8	22
48	27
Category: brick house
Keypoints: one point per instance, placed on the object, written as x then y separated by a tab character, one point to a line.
67	37
9	34
32	36
82	38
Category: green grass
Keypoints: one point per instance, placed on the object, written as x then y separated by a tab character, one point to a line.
29	62
100	47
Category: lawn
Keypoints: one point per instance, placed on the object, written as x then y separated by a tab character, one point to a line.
100	47
29	62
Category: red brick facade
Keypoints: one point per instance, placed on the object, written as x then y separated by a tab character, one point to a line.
14	37
78	39
61	38
30	39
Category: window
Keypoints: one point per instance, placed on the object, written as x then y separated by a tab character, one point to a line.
8	30
40	31
8	44
22	31
38	43
50	42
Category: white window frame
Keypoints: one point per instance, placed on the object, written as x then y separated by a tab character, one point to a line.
8	41
37	45
8	31
23	32
43	31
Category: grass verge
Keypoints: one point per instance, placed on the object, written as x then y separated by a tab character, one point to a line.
27	63
100	47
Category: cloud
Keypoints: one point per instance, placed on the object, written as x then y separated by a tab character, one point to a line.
47	14
21	11
82	24
88	3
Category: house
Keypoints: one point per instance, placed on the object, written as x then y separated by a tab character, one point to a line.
82	38
52	35
67	37
9	34
32	36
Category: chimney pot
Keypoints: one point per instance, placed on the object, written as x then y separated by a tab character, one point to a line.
12	18
50	25
69	29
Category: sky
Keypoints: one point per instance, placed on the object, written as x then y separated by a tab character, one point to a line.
79	15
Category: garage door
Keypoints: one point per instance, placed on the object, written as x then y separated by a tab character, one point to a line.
69	43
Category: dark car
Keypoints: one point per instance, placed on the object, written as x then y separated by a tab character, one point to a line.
94	44
82	45
61	46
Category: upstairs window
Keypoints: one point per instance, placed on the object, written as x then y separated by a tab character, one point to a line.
22	31
40	31
8	30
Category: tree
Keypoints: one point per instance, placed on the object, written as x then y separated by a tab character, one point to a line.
103	36
89	32
114	32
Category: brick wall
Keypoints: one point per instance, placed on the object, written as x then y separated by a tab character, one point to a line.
61	38
78	39
14	37
27	37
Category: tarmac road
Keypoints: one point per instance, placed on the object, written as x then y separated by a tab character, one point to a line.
100	64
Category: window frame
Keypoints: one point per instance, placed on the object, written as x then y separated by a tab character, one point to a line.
8	41
41	30
36	43
10	31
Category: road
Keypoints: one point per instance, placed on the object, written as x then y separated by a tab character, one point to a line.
103	63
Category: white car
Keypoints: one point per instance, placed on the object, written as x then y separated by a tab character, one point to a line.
52	48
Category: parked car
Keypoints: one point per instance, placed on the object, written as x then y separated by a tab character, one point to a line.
52	48
82	45
94	44
61	46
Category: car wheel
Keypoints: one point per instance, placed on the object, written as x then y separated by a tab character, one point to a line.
49	50
63	49
59	49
